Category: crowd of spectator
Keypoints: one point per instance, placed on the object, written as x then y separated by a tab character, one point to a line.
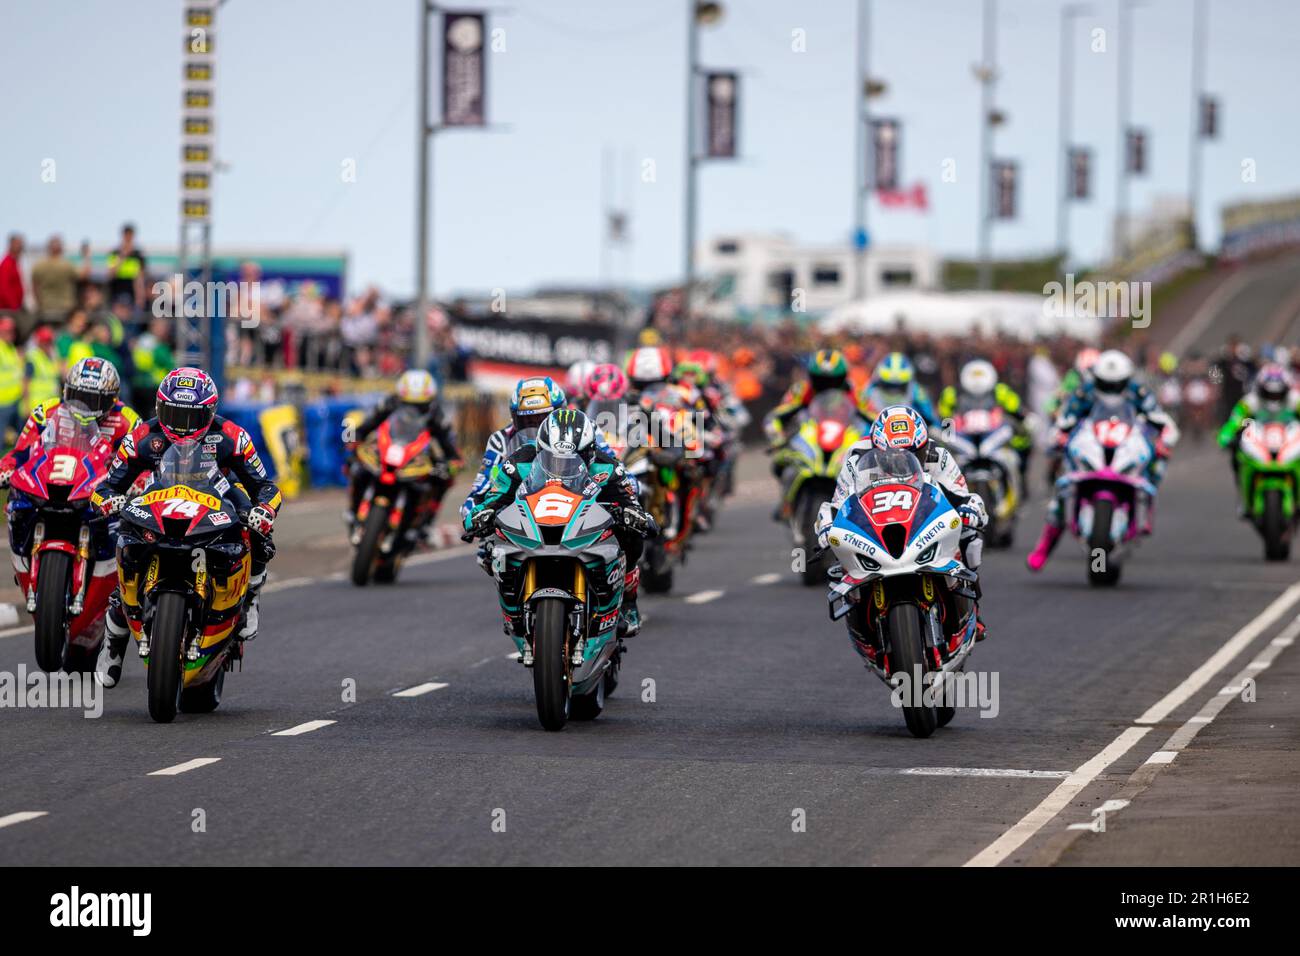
54	312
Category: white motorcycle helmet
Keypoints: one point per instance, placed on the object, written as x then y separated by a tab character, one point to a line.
575	380
978	378
1112	372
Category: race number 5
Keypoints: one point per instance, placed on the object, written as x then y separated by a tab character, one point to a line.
889	500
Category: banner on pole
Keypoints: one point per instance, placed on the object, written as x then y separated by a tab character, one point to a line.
1209	125
885	136
722	96
1080	184
1004	172
1136	152
463	69
198	106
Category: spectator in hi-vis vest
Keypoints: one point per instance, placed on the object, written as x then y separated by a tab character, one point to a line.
43	379
11	380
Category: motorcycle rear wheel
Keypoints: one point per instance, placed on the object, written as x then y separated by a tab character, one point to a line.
51	618
363	562
205	698
551	663
165	640
814	569
907	655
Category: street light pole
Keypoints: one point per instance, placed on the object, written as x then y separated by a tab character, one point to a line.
422	204
1198	85
692	71
1065	112
862	121
1123	85
988	76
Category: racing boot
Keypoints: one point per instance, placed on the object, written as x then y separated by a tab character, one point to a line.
629	617
1046	542
108	666
249	629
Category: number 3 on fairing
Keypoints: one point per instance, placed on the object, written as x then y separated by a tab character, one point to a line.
889	500
63	468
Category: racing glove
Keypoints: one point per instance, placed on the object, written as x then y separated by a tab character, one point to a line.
6	475
639	520
112	504
480	522
261	519
972	515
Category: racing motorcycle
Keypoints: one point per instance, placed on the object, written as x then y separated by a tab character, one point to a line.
559	572
1109	501
186	530
667	460
66	583
900	584
980	439
828	429
401	469
1268	473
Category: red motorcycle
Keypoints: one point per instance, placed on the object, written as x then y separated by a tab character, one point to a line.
66	582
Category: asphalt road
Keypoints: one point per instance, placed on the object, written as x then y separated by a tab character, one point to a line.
762	719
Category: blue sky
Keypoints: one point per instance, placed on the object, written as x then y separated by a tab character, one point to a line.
306	84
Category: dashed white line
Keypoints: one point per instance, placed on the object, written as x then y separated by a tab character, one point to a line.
986	772
304	728
770	578
704	597
1162	756
184	767
21	816
419	689
16	631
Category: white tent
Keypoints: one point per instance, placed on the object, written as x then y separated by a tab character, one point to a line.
1021	315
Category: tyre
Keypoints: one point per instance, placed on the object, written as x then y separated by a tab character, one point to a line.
363	562
610	680
657	581
907	656
80	660
51	618
386	571
165	641
996	534
1103	510
590	704
814	570
551	663
1272	526
205	698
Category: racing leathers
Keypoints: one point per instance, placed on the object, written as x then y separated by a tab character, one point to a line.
953	401
779	430
618	491
500	445
116	425
1079	406
231	450
876	397
1251	407
440	430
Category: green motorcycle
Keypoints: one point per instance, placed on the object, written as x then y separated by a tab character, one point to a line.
1268	474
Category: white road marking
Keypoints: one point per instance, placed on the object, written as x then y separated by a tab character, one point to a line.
286	584
704	597
770	578
304	728
419	689
21	816
986	772
1221	658
1067	790
16	631
1057	800
1162	756
184	767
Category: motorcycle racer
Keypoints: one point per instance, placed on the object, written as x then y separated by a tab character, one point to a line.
90	393
186	413
978	383
531	401
416	389
1109	382
1273	395
568	432
893	382
902	427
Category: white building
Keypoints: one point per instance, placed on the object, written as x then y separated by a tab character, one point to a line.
771	272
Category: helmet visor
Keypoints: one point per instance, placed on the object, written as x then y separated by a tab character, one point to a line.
96	403
185	420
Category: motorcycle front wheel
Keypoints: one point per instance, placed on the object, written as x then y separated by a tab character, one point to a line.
551	663
363	562
166	638
1273	527
907	656
1107	574
51	618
